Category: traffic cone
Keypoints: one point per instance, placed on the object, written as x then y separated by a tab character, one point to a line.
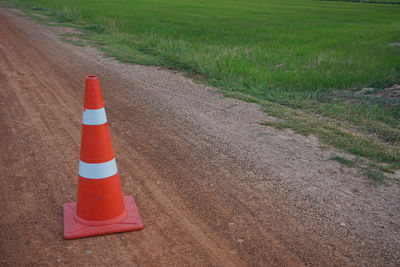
100	208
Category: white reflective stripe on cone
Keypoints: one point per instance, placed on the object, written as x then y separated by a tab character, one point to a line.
97	170
94	116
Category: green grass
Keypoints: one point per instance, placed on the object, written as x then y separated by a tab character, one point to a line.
376	176
344	161
261	46
303	60
71	38
373	171
369	1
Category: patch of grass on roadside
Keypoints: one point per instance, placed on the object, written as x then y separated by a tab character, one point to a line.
374	175
71	38
329	132
344	161
385	168
373	171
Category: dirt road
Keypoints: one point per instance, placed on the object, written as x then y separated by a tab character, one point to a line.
213	186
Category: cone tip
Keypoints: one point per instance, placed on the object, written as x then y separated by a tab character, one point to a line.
92	98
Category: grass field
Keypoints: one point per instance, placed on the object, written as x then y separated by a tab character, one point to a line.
292	45
370	1
300	59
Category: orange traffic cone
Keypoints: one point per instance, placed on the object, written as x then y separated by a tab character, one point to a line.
100	208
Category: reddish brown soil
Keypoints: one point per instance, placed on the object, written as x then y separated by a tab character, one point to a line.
213	186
